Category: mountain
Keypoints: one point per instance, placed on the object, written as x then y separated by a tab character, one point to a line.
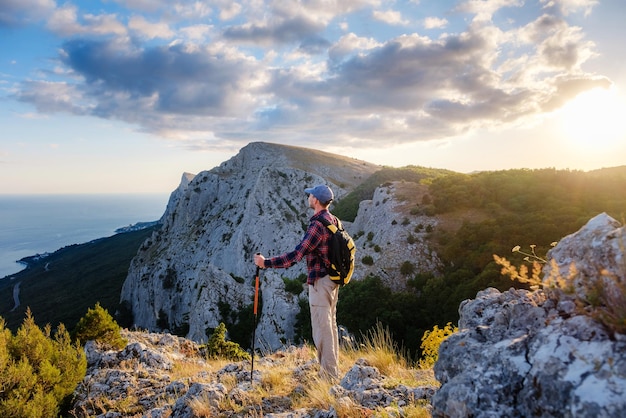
196	270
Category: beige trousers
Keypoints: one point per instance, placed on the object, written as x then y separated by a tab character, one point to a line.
323	296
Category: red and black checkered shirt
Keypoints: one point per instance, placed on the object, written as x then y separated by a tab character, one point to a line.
314	246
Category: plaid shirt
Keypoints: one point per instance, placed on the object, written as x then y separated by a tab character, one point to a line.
314	246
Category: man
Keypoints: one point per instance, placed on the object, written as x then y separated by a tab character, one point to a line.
323	293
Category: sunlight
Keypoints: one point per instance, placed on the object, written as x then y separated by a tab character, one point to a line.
595	120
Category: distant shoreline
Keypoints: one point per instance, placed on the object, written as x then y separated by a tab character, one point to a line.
32	260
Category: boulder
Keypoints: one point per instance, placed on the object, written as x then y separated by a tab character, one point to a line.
542	353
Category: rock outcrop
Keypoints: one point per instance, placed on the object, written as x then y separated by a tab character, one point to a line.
392	237
160	375
542	354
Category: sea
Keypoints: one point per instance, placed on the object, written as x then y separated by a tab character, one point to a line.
39	224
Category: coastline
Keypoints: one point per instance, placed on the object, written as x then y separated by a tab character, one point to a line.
35	225
33	260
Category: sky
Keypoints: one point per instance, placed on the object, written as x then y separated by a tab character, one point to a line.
124	96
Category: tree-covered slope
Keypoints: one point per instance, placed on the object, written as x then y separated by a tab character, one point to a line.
62	286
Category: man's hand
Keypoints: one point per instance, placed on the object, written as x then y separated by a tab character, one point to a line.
259	260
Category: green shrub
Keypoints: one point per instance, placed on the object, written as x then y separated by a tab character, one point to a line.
218	347
293	285
100	326
38	373
407	268
368	260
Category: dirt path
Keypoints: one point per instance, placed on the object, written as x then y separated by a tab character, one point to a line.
16	295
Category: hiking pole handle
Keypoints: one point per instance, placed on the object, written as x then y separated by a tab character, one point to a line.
256	290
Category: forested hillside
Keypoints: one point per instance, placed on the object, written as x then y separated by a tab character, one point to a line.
480	215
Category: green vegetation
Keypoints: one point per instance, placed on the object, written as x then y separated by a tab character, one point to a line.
38	371
218	347
401	312
481	215
62	286
294	286
347	207
99	325
508	207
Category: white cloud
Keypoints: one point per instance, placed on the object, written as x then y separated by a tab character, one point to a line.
150	30
229	10
196	32
391	17
291	70
65	21
435	22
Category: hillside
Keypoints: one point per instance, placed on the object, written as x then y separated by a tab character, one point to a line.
425	240
62	286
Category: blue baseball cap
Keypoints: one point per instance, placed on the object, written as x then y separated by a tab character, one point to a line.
321	193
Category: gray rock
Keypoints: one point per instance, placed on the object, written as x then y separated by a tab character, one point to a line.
520	354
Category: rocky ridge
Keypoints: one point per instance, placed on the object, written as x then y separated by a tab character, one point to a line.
199	263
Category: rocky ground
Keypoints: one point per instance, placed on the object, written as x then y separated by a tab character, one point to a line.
160	375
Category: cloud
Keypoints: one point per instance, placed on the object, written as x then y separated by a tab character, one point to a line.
150	30
65	21
281	72
391	17
52	97
21	12
435	23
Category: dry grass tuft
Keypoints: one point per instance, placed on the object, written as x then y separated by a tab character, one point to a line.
601	297
380	351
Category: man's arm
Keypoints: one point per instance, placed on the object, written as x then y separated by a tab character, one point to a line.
311	240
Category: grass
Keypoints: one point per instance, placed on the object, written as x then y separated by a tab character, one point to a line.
290	380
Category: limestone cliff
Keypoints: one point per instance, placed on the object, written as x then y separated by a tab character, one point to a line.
200	261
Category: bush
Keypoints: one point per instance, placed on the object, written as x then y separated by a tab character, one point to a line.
293	285
368	260
218	347
431	342
37	372
100	326
407	268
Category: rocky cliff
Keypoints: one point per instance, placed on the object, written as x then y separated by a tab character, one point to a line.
547	353
198	266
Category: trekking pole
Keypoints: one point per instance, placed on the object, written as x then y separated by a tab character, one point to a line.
256	304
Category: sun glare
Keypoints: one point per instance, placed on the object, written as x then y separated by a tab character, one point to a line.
595	120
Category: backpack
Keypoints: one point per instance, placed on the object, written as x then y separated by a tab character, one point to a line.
341	253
